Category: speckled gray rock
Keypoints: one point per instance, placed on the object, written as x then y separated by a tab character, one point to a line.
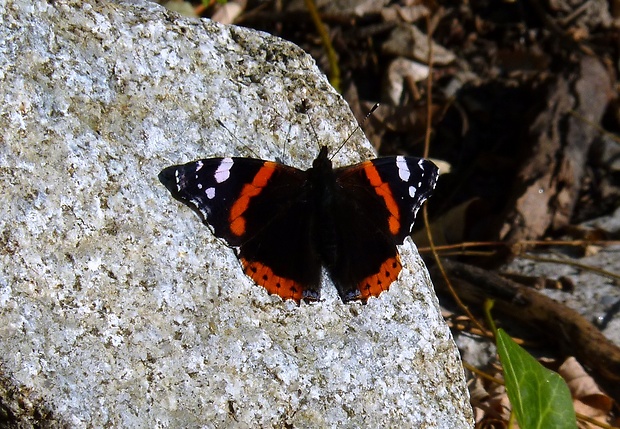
118	307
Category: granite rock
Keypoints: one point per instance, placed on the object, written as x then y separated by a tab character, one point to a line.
118	308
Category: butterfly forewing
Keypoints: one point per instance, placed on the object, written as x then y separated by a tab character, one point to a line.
205	186
411	183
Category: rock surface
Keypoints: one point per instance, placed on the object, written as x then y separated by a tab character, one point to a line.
118	307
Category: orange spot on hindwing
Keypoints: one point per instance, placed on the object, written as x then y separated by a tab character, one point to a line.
265	277
376	283
383	190
236	218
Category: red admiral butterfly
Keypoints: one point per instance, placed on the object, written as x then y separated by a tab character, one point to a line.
286	223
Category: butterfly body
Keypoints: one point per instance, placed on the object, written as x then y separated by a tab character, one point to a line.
287	223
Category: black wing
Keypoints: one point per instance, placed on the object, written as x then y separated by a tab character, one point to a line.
262	208
375	210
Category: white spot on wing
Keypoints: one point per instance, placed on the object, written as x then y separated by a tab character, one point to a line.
178	179
403	168
210	193
412	191
201	207
223	170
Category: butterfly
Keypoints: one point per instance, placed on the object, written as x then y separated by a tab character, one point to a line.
286	223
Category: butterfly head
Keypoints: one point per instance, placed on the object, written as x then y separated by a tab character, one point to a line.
322	161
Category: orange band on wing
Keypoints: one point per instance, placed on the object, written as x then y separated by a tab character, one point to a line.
237	221
375	284
383	190
264	276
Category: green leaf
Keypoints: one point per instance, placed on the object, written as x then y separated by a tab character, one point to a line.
540	398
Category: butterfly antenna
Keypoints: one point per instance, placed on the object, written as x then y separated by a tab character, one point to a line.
237	138
285	147
306	110
359	126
